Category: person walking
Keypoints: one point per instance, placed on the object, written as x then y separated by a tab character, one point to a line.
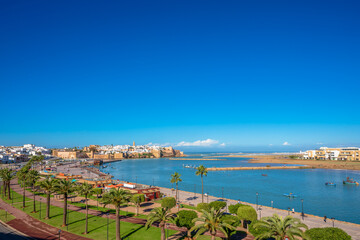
325	218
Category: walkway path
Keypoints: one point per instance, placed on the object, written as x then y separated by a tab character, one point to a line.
310	220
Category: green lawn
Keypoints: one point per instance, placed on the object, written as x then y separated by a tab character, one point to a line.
5	217
97	225
16	197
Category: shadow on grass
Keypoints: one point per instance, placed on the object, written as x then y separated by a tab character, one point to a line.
129	233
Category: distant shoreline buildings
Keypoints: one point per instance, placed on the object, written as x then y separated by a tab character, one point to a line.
336	154
15	154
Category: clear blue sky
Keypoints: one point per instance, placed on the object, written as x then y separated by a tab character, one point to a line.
250	75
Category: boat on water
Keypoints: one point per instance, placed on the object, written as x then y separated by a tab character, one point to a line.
290	195
350	181
264	175
330	184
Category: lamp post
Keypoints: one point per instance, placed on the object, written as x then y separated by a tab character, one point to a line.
288	211
272	204
333	221
257	198
12	197
153	182
302	209
222	192
107	227
59	233
40	209
260	212
194	190
67	220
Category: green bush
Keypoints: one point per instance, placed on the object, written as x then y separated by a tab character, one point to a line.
168	202
217	205
247	214
97	191
257	231
203	206
234	208
328	233
185	217
232	220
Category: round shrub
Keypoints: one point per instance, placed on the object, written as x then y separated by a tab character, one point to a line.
247	214
230	219
185	217
217	205
328	233
233	208
203	206
168	202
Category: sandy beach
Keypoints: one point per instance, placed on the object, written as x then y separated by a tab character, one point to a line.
284	159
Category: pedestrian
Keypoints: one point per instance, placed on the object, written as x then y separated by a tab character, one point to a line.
325	218
293	210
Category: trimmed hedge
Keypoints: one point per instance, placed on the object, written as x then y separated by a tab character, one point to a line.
203	206
328	233
168	202
247	213
217	205
234	208
185	217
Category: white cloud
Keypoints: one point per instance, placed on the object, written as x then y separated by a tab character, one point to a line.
319	143
270	144
286	144
223	144
199	143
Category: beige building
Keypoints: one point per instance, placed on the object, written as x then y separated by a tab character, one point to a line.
343	154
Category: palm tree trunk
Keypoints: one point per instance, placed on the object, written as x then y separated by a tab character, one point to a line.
189	234
8	186
86	218
202	189
162	226
48	206
176	192
24	195
212	237
65	210
5	188
137	210
34	207
118	236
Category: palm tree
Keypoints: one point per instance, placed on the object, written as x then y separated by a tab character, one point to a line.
31	178
86	190
22	176
117	197
7	175
137	199
175	178
202	171
211	221
65	188
162	216
280	229
48	186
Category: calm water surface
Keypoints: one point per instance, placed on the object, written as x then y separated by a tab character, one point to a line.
340	202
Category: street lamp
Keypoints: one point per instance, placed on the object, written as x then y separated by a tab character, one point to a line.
67	220
40	209
288	211
194	190
260	213
302	209
222	192
257	197
59	233
272	204
333	220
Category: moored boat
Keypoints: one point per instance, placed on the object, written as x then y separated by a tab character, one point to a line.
350	181
290	195
330	184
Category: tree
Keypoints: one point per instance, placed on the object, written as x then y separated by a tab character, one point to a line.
117	197
234	208
22	176
162	216
247	214
233	221
203	206
328	233
7	175
202	171
217	205
137	199
185	219
65	188
47	186
280	229
175	178
210	221
31	178
168	202
86	190
256	231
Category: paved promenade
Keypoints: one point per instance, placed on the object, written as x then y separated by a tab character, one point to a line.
310	220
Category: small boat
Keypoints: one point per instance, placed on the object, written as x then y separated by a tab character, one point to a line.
290	195
264	175
104	166
350	181
330	184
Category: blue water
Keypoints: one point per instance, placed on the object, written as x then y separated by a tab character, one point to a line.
340	202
